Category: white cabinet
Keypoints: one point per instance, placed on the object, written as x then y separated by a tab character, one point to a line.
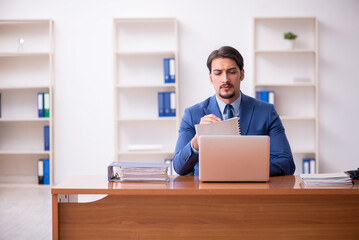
292	73
26	68
140	45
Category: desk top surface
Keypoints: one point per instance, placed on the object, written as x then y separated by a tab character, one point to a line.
189	185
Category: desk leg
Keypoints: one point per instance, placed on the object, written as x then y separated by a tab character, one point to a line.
55	217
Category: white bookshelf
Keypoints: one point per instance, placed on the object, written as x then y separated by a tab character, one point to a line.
293	75
140	45
25	70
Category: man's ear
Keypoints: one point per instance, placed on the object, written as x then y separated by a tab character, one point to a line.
210	78
242	75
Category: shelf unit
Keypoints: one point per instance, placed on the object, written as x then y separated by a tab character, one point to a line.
140	45
26	68
293	75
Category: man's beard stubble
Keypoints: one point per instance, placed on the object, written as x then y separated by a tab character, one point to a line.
227	96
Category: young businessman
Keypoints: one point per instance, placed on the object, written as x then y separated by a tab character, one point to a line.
256	117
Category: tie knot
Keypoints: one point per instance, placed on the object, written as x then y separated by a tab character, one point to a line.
228	111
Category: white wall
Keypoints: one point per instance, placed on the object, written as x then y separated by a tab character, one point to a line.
83	98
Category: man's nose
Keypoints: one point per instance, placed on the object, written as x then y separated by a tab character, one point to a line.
225	78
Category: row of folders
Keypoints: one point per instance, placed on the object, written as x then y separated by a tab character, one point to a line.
266	96
166	104
167	100
309	166
43	104
43	166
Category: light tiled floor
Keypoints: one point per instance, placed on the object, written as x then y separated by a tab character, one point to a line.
25	212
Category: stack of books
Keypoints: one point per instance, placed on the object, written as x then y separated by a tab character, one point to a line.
340	179
138	172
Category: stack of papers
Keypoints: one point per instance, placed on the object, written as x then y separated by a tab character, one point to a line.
326	180
226	127
138	172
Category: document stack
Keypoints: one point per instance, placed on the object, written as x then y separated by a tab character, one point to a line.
340	179
225	127
138	172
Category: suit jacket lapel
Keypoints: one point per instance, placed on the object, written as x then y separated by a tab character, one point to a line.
245	113
213	108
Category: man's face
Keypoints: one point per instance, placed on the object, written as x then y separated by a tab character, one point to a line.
226	79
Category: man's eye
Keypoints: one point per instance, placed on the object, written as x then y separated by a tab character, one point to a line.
232	72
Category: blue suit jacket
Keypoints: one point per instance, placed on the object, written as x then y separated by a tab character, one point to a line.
256	118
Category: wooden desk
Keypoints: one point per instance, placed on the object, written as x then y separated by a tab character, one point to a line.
185	208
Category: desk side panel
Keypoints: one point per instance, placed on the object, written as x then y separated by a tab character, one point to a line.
212	217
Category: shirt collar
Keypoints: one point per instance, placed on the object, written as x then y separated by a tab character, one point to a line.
236	104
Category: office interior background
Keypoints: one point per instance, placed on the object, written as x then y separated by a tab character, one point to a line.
83	93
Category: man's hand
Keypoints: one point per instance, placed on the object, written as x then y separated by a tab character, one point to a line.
211	118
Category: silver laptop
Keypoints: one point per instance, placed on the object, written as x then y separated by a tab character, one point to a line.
225	158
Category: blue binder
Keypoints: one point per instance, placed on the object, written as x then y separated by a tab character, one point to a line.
47	171
167	104
264	96
40	104
46	138
312	166
259	95
169	70
306	166
161	107
172	104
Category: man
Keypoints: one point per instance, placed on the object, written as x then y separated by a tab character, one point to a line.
256	117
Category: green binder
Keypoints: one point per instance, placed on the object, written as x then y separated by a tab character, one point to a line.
47	104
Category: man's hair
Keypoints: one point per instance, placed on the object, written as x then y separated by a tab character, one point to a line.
225	52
